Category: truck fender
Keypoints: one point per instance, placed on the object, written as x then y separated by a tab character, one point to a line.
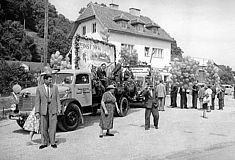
66	102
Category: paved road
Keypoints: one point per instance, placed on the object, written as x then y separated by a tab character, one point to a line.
182	134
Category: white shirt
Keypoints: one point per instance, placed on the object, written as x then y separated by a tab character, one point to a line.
47	89
209	92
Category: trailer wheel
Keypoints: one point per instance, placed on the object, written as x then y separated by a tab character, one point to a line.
123	106
72	118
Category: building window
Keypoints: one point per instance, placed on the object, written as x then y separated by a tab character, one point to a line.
93	27
154	30
123	24
84	30
146	52
139	27
157	53
128	47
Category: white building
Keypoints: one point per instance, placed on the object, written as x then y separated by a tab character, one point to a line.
126	29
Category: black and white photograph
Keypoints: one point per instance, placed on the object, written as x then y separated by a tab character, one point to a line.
117	80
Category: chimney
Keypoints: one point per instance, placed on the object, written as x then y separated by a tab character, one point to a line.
134	11
113	6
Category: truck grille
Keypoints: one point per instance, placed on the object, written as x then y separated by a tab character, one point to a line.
26	103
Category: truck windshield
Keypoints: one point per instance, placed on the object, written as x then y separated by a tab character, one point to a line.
59	78
63	78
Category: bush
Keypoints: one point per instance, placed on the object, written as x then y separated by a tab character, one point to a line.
12	74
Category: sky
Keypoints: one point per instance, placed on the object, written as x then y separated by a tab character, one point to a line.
202	28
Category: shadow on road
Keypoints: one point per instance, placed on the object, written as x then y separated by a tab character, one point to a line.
58	141
21	131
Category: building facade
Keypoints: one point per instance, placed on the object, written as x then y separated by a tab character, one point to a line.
128	30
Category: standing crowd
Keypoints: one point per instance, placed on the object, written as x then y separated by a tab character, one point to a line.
204	93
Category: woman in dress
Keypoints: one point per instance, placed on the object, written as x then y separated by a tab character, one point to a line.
108	104
32	125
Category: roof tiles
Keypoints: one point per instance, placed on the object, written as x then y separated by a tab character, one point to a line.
106	16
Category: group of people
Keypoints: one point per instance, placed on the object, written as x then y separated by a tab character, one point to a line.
206	94
43	117
154	101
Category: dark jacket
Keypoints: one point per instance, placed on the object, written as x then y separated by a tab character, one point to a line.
100	73
150	101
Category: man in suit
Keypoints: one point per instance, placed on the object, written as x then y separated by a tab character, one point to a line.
150	107
194	95
174	92
47	106
183	96
101	74
213	88
161	94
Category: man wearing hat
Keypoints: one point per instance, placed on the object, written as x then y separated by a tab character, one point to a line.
151	106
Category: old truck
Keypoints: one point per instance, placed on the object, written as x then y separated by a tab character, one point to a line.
76	87
75	90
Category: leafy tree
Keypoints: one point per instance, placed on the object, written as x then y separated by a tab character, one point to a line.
81	10
127	58
176	52
211	71
185	71
59	42
15	73
14	43
226	75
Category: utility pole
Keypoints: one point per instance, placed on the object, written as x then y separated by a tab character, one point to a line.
45	32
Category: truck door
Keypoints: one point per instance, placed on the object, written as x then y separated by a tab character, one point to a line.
83	90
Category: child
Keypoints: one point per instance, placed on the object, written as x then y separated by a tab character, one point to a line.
32	125
206	101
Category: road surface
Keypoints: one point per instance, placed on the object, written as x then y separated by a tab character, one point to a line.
182	134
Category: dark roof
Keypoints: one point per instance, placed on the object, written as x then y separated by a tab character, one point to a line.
137	21
106	17
121	17
150	25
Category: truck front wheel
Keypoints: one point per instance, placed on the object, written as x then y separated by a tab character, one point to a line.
72	118
123	106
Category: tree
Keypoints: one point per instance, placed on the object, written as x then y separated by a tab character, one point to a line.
58	41
176	52
226	75
14	73
211	71
127	58
185	71
81	10
14	43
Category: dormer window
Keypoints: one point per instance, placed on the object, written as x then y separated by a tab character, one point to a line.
153	27
122	20
123	24
138	24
